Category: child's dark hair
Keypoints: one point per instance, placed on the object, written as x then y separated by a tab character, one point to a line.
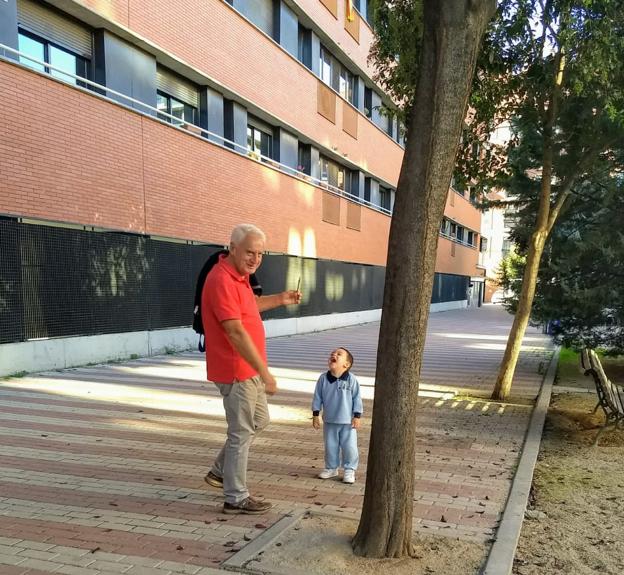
349	356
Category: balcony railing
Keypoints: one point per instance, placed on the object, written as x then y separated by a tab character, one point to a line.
457	241
16	57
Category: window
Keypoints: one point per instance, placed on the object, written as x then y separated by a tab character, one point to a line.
184	112
445	227
177	96
326	66
506	248
460	233
361	7
400	133
260	12
337	76
483	247
347	181
346	84
473	196
385	198
458	185
304	49
368	102
367	189
390	122
33	48
45	51
334	174
259	143
304	158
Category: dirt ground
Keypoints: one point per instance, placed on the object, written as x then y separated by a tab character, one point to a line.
298	551
575	520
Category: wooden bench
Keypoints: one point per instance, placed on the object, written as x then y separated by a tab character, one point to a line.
610	395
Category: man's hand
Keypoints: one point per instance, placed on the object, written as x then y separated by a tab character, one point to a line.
270	385
355	423
316	422
290	297
267	302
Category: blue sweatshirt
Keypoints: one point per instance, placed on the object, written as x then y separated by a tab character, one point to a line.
338	397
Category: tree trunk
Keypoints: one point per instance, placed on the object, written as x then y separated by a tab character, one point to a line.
521	319
453	30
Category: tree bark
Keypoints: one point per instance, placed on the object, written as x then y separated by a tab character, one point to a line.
521	319
452	36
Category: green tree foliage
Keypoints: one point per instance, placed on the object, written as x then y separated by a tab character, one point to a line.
581	278
396	49
510	273
553	71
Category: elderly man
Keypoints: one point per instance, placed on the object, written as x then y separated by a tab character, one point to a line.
236	361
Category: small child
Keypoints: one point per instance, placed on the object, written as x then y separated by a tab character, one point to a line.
337	393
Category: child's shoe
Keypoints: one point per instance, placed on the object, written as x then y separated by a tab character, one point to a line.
349	476
328	473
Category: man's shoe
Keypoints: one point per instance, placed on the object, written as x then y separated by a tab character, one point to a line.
247	506
328	473
349	476
214	480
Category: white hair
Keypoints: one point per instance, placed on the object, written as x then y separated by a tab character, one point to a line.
241	231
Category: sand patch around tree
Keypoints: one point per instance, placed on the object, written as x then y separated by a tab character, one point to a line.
321	544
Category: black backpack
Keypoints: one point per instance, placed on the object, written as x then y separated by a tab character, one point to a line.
198	324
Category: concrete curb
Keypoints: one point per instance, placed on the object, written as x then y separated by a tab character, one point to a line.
239	560
501	556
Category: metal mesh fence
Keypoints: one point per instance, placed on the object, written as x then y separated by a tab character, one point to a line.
59	281
11	316
449	287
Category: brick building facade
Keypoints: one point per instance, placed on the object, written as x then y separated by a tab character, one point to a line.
175	121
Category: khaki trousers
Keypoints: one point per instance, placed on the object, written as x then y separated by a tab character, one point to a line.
247	414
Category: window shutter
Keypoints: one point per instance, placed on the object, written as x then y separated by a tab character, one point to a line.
177	87
54	27
354	216
331	208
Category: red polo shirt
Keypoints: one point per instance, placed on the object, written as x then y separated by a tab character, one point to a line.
227	295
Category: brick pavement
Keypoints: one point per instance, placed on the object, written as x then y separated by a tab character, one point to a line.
101	467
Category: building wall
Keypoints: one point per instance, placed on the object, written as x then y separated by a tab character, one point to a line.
108	166
493	228
454	258
459	209
159	180
211	36
71	155
334	26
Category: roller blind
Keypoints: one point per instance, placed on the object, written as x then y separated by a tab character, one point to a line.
53	26
178	87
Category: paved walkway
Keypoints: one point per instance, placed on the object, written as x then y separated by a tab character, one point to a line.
101	467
